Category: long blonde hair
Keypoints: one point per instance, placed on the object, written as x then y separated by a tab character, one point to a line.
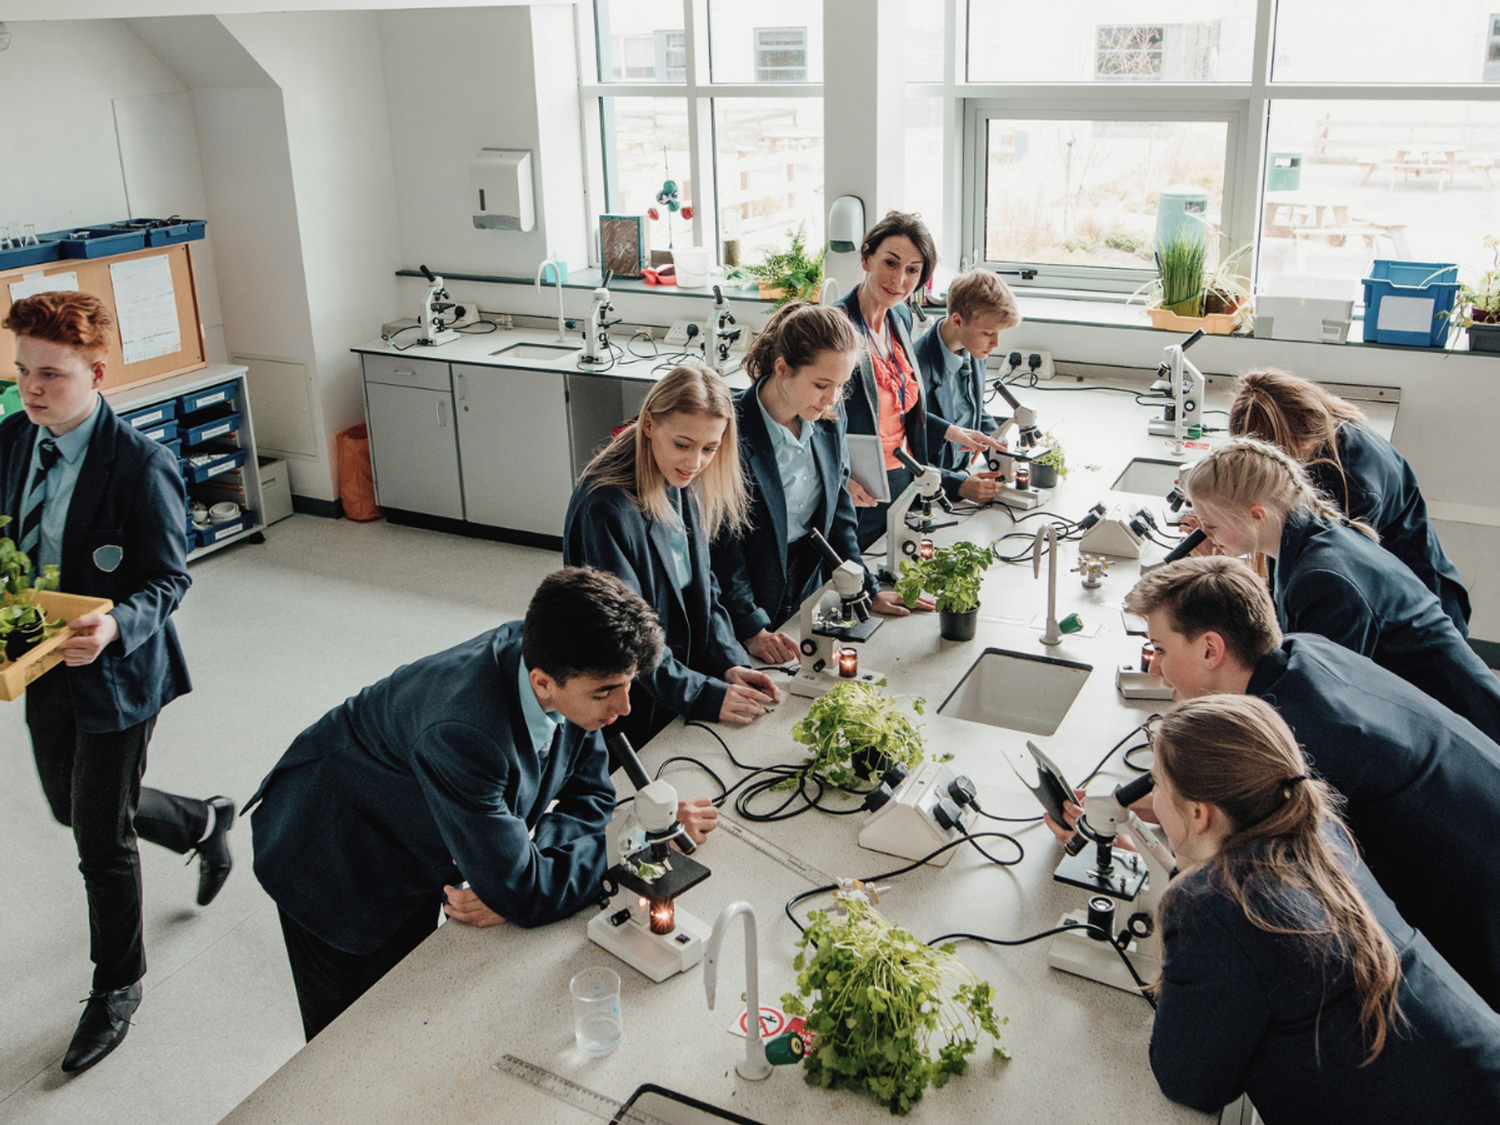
1247	471
1237	753
1295	414
627	462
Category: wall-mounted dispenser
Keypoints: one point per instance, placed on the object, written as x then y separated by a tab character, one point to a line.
500	189
846	224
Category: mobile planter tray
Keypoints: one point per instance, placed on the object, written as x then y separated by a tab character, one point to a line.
1404	302
15	675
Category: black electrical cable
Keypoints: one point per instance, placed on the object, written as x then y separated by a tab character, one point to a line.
469	329
1113	942
391	339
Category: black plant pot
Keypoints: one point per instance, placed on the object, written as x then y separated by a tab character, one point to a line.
19	642
1043	476
1484	338
958	626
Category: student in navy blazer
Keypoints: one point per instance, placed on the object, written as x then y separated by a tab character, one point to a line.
1287	974
792	441
1333	579
447	771
1420	784
646	509
105	505
1354	466
952	356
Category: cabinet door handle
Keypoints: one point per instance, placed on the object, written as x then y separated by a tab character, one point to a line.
408	374
442	415
458	382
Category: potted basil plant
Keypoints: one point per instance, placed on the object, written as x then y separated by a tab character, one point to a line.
23	621
952	576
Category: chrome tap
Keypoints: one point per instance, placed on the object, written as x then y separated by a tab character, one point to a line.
754	1065
1052	635
562	327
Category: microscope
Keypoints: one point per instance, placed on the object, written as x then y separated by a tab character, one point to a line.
1185	385
903	540
823	662
1014	494
640	923
596	336
435	303
1110	875
717	334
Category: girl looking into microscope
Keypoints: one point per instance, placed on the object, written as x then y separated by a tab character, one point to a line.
645	509
791	434
1331	576
1359	469
1287	973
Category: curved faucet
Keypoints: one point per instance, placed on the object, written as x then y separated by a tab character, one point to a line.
823	293
562	331
754	1065
1052	635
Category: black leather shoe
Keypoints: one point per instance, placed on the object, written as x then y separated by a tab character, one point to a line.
106	1019
214	862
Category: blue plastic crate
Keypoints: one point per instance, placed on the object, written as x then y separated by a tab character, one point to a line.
218	532
96	242
165	232
164	433
46	250
151	416
218	462
1403	300
208	396
207	426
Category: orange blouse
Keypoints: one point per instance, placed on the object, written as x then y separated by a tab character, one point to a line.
897	387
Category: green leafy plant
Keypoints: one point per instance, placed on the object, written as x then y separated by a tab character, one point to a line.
796	273
1051	454
952	576
880	1001
855	731
1478	303
1194	280
20	613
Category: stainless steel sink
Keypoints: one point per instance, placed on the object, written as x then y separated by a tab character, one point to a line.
1148	476
1017	691
534	353
657	1104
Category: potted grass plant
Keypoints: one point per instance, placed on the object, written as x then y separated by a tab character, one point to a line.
791	274
952	576
1195	288
1477	307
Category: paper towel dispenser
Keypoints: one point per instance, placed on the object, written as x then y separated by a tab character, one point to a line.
500	189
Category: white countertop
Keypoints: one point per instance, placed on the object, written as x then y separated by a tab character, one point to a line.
421	1044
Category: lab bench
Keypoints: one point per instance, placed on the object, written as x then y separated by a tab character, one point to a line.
424	1040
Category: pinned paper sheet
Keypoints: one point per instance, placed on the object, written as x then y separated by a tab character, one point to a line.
145	308
33	283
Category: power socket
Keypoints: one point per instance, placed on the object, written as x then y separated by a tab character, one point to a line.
1010	369
470	314
678	333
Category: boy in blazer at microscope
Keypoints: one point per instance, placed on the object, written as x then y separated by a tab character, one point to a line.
94	497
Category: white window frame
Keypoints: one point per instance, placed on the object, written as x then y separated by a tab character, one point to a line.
759	46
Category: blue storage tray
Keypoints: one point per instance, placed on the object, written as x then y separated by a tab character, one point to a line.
208	396
227	459
163	431
151	415
196	428
1424	289
46	250
175	447
96	242
218	532
165	232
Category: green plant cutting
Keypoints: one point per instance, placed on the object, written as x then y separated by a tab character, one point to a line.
952	576
1479	302
855	731
1052	454
19	610
796	273
878	1001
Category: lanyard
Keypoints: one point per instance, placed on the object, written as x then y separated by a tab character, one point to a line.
877	359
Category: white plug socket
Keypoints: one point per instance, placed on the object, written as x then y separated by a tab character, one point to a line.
678	333
470	315
1008	371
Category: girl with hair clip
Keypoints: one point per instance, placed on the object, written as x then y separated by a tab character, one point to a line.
1331	576
646	509
792	439
1354	465
1288	975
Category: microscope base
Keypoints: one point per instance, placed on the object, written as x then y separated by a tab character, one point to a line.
1134	684
1024	499
810	684
1083	956
442	336
657	956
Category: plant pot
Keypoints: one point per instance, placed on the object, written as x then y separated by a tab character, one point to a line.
1484	338
1220	324
770	292
1043	476
958	626
18	642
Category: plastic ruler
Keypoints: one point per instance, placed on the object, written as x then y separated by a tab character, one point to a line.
779	854
579	1097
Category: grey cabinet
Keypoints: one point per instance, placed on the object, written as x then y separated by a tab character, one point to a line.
513	439
413	442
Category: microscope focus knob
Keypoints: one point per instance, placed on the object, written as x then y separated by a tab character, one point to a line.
809	647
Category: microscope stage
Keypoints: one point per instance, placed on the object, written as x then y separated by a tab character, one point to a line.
1125	882
859	631
683	874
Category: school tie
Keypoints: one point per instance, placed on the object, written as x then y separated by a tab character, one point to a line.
31	518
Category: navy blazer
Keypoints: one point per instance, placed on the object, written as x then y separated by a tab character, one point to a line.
932	362
129	495
367	813
1422	786
1335	581
605	529
862	404
752	568
1246	1011
1382	491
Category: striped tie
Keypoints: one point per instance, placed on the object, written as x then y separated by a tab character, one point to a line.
31	519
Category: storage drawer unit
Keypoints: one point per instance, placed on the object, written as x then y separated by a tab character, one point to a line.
399	371
151	416
198	428
207	464
208	396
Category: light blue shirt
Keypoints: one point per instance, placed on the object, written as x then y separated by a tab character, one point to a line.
956	368
677	538
542	725
800	479
57	493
